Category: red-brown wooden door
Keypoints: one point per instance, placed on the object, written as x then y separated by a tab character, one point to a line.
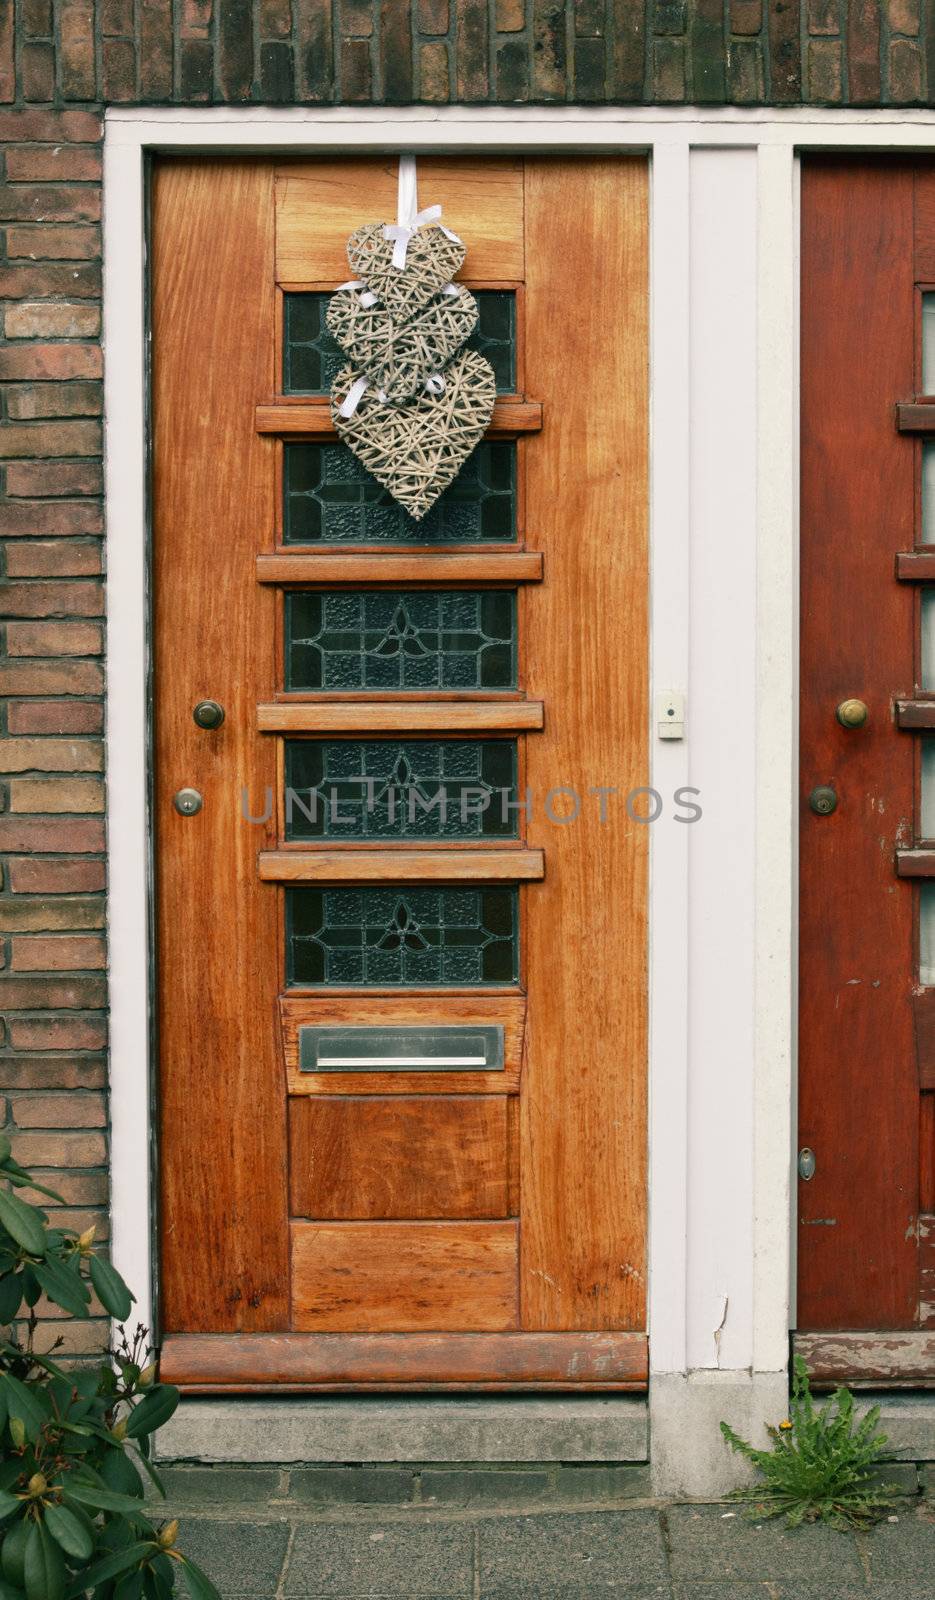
385	1226
866	1064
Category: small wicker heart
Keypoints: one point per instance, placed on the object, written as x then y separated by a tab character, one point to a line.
398	357
432	259
415	449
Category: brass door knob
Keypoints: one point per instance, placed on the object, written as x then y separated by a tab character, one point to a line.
208	714
852	713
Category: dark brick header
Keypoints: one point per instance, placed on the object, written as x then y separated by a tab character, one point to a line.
667	52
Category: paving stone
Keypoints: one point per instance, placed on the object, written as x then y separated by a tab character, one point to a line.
707	1543
608	1552
217	1485
903	1549
243	1558
382	1561
351	1485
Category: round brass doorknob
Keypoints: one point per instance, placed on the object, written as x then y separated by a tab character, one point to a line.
208	714
852	713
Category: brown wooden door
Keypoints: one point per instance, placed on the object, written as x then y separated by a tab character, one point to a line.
327	1220
866	1062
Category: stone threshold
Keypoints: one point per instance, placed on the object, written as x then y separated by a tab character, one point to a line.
407	1428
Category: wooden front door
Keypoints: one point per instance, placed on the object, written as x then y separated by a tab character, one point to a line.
866	1227
335	1209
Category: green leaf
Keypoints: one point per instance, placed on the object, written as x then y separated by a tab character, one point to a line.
25	1180
198	1583
8	1504
44	1565
13	1554
88	1494
6	1149
11	1296
111	1566
153	1410
110	1288
31	1289
23	1223
63	1287
67	1531
27	1405
150	1470
8	1592
130	1587
119	1473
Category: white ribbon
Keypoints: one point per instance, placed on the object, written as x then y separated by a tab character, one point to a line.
353	398
435	384
367	299
408	215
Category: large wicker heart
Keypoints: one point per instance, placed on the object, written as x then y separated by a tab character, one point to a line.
415	449
397	358
432	259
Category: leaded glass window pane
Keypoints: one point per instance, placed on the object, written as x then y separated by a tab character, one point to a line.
410	789
330	498
312	358
392	639
402	936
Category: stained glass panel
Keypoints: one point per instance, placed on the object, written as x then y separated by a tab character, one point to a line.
411	789
402	936
392	639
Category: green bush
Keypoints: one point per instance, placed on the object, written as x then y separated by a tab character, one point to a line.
820	1464
73	1442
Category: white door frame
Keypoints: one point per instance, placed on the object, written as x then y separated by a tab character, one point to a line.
724	577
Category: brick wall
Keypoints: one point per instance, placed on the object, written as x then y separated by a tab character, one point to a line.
60	62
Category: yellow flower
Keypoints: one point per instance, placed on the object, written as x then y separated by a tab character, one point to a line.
785	1426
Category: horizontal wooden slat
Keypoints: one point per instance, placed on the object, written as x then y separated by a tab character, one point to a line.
311	419
403	1010
404	1277
398	716
915	713
915	863
398	1157
402	566
906	1359
566	1361
915	418
401	866
916	566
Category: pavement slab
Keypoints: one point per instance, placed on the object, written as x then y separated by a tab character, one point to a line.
242	1558
381	1560
596	1553
707	1543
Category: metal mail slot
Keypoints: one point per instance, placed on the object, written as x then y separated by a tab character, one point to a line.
441	1049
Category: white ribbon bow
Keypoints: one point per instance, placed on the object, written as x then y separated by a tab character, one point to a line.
408	215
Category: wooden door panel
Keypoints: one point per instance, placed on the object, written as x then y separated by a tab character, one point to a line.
403	1156
225	1246
392	1277
858	1079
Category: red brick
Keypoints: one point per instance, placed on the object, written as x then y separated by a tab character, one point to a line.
76	278
27	401
903	16
34	796
56	1149
49	202
59	914
48	127
196	19
118	65
116	16
50	755
52	319
80	1220
36	18
65	518
53	163
51	361
88	1188
29	478
51	243
905	72
57	953
58	1110
76	49
746	16
58	1033
51	677
42	992
54	638
155	27
38	439
510	15
433	71
58	558
69	599
37	70
52	1072
275	19
33	875
54	716
82	837
823	16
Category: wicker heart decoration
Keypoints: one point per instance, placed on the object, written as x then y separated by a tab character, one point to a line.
432	259
398	357
415	449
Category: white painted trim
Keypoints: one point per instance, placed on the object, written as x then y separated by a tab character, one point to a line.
678	935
